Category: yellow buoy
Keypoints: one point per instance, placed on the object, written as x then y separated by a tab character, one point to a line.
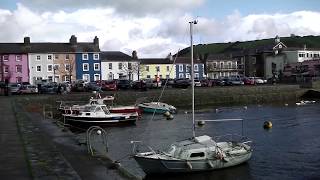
267	125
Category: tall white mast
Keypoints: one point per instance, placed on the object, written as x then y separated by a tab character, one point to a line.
192	76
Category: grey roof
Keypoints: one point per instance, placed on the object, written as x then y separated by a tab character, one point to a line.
155	61
115	56
186	60
12	48
49	47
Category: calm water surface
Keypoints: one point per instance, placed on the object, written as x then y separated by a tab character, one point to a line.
290	150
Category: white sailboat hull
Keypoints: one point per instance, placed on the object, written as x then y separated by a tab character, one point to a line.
158	165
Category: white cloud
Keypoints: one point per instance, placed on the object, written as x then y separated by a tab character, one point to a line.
153	35
132	7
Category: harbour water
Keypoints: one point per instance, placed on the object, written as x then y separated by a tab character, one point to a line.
290	150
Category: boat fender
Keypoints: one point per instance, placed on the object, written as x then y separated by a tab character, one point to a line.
189	165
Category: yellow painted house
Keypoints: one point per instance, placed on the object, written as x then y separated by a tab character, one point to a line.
156	67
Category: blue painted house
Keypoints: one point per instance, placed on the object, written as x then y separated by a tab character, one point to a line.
88	63
183	68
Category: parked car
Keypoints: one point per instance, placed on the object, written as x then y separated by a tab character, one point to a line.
28	89
109	85
14	88
249	81
197	83
151	83
259	80
123	84
182	83
140	84
169	81
92	86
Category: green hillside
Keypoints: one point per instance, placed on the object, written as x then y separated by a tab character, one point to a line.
216	48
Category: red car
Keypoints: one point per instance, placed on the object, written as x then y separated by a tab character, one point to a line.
109	85
248	81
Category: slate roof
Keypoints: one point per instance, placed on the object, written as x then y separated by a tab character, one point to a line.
155	61
47	47
186	60
115	56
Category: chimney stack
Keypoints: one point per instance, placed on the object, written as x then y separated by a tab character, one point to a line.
73	40
26	40
96	41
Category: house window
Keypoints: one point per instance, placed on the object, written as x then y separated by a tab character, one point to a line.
56	56
167	76
86	77
85	66
120	66
67	57
67	78
95	56
96	77
49	57
6	69
196	75
168	68
50	78
5	58
38	78
180	68
85	57
147	68
67	67
56	67
18	57
188	68
18	79
187	75
196	67
96	66
229	65
110	65
19	68
110	76
158	68
129	66
49	68
38	58
38	68
181	75
148	76
221	65
214	65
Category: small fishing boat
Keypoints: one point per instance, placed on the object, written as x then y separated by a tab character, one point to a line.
98	115
157	107
108	101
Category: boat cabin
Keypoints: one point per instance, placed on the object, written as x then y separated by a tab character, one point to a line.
202	147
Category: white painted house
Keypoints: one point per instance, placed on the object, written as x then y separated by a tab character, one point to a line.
118	65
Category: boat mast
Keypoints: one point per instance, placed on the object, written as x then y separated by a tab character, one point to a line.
192	76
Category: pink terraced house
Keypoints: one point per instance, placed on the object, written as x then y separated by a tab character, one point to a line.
14	62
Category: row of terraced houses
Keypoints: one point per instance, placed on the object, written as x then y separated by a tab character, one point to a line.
73	60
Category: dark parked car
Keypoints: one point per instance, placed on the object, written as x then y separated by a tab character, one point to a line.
182	83
109	85
123	84
92	86
170	82
140	84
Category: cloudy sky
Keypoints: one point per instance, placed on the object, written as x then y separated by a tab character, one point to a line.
155	28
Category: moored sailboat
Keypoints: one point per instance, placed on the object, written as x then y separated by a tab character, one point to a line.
198	153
